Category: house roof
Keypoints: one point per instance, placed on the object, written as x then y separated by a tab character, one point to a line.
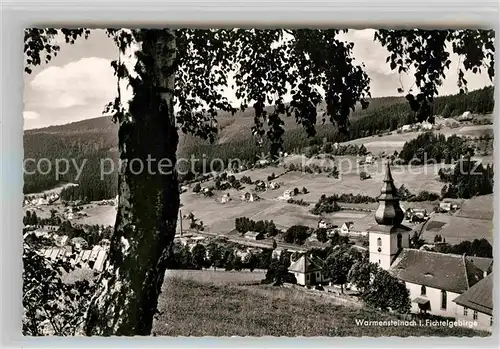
449	272
482	263
304	265
78	239
349	224
252	233
389	229
478	297
318	261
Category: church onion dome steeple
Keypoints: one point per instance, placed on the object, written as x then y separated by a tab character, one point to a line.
389	211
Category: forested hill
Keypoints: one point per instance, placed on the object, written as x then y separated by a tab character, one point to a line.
99	124
95	139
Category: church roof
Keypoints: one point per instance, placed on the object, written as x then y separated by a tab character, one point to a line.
389	229
482	263
304	265
449	272
478	297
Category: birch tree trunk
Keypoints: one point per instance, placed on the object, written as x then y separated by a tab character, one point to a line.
148	202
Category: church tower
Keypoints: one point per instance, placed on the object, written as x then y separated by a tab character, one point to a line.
389	236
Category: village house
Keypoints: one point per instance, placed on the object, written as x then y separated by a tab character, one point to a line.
445	206
260	185
253	235
288	194
425	125
38	234
49	228
433	279
483	263
369	159
61	240
416	214
105	243
277	252
93	259
274	185
79	243
407	128
262	162
346	228
249	196
53	198
225	198
307	270
55	253
476	304
466	116
349	229
322	224
448	206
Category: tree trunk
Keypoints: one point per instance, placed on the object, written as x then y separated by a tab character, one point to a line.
148	203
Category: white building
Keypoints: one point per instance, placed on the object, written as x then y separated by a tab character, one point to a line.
307	271
466	116
253	235
346	228
322	224
426	125
277	252
406	128
225	198
61	240
476	304
288	194
249	196
433	279
369	159
79	243
274	185
349	229
448	206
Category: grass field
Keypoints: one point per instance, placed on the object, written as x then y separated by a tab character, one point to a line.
395	141
456	229
98	214
479	207
474	220
191	307
218	277
220	217
415	178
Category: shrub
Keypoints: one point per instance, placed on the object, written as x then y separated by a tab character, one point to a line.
197	188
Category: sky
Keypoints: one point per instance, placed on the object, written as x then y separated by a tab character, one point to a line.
79	81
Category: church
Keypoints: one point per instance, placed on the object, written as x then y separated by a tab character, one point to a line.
434	279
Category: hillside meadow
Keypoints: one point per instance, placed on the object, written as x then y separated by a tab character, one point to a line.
95	139
474	220
390	143
193	307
